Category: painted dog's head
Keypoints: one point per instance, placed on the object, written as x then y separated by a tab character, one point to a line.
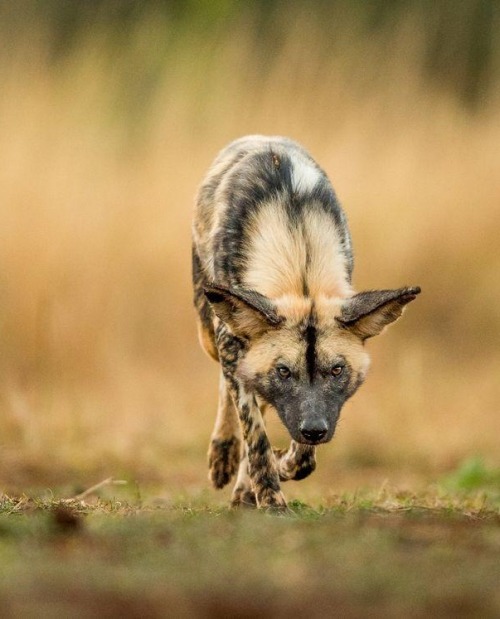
303	357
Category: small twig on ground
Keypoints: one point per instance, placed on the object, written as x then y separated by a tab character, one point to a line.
109	481
19	505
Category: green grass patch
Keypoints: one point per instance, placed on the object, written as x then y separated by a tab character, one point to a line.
474	474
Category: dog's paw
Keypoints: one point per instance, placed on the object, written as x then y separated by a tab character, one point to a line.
272	501
295	463
243	496
223	460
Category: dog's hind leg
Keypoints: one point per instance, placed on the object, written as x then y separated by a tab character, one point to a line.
225	445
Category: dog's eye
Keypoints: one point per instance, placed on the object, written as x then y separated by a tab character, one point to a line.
337	370
283	371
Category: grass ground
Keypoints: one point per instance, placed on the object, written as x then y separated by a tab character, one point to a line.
361	556
117	551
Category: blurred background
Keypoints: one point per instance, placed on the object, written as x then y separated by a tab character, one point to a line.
110	113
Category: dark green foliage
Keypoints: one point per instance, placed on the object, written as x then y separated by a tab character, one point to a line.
460	38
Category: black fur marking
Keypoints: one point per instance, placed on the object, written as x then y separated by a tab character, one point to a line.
261	445
264	480
284	186
311	337
223	460
304	471
305	286
230	348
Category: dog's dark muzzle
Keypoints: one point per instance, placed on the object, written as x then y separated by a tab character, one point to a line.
313	431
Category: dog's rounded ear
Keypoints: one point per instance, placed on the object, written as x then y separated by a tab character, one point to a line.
367	313
245	312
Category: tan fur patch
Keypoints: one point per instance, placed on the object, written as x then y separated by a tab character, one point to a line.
284	344
283	260
342	343
276	254
294	308
226	423
338	341
326	272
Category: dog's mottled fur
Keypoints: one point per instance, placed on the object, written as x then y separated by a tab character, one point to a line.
272	267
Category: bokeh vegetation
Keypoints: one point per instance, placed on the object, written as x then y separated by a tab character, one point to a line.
110	113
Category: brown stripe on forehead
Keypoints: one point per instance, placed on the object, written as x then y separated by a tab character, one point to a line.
311	337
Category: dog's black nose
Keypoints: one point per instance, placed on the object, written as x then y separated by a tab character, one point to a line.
314	432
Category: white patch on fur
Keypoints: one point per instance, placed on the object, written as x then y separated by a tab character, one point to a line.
305	176
243	479
281	259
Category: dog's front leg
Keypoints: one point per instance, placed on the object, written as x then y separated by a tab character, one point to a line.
261	463
262	469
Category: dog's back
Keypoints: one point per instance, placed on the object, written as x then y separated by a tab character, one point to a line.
267	219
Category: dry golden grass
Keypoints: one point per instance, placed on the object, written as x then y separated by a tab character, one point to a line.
100	367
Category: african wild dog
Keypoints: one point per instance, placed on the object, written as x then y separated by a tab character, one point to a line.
272	266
